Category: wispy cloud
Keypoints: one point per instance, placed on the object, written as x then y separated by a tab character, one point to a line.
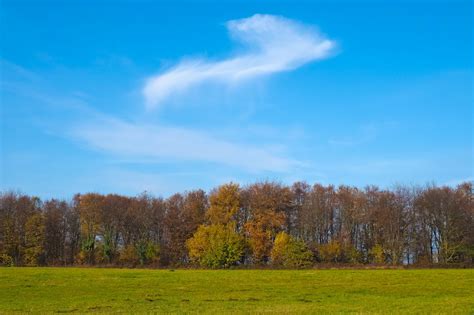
140	141
143	142
274	44
366	134
13	71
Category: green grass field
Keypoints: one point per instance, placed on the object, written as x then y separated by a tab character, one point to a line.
219	291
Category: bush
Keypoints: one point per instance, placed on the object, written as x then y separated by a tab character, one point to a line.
147	252
290	252
331	252
128	256
377	254
87	253
6	260
338	252
216	246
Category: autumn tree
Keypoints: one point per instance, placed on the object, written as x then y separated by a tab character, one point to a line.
319	215
34	240
141	240
194	211
294	222
90	209
267	204
219	245
184	213
73	234
112	216
225	203
447	215
15	212
262	223
388	223
352	217
55	231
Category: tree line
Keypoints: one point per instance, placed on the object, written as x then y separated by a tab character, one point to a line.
262	224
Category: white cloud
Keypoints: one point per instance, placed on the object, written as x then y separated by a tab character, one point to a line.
274	44
138	141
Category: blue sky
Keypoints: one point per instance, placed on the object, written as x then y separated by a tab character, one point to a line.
170	96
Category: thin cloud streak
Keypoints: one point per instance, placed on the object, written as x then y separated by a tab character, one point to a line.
274	43
129	140
145	143
366	134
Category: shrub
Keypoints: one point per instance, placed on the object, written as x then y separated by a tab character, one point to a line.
216	246
147	252
290	252
331	252
352	255
377	254
6	260
87	254
128	256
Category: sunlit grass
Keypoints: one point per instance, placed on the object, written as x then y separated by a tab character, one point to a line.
218	291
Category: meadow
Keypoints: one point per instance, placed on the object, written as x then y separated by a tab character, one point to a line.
64	290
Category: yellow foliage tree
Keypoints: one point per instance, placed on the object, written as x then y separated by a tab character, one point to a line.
34	239
261	231
216	246
224	204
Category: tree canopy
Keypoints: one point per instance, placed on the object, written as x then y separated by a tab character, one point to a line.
261	224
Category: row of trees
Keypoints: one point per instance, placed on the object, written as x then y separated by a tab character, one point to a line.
265	223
